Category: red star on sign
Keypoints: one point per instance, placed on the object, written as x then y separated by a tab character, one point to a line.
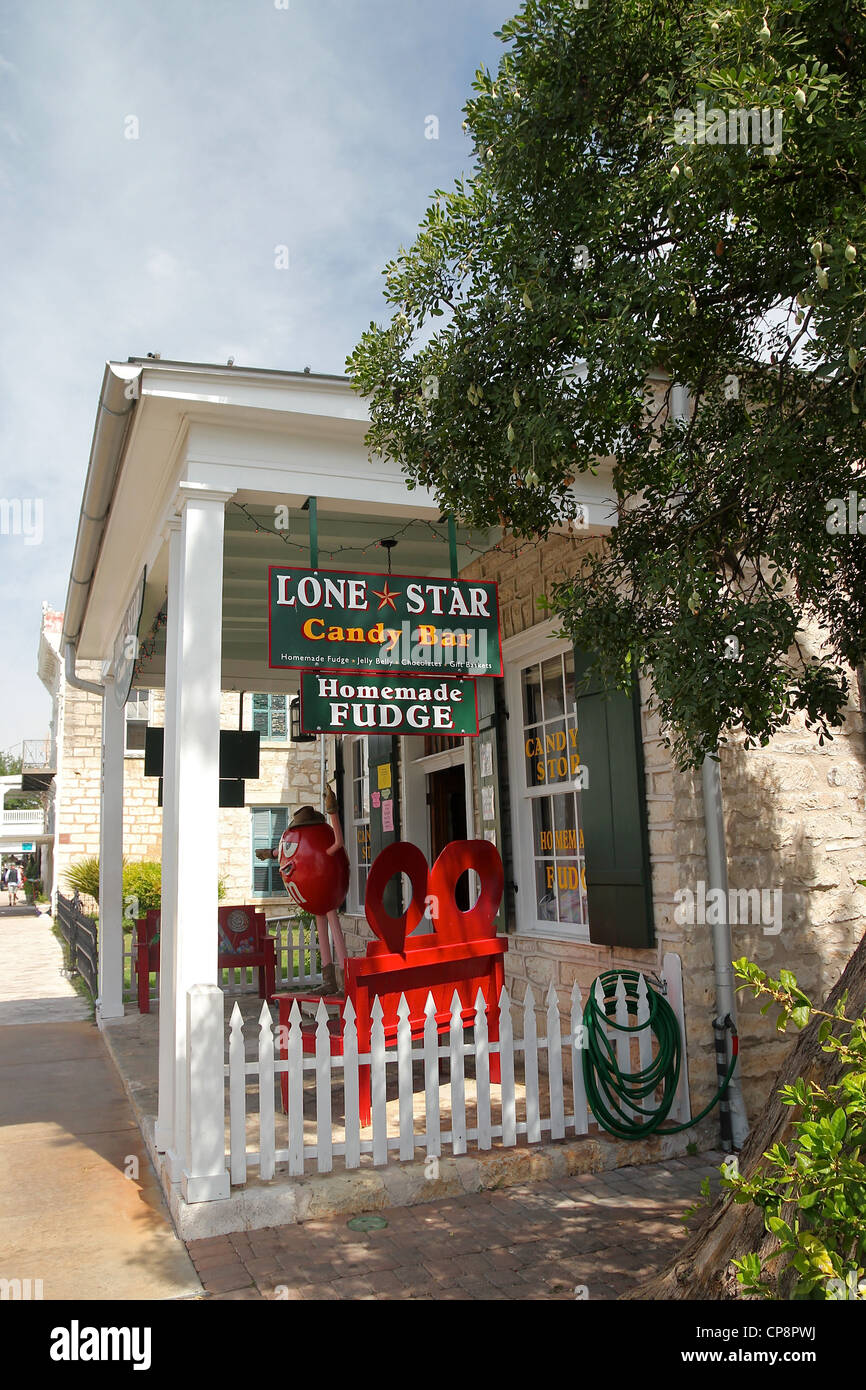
387	596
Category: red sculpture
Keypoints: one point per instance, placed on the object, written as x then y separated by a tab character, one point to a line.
314	867
461	953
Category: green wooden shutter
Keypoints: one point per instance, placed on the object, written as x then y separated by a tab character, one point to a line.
613	812
382	750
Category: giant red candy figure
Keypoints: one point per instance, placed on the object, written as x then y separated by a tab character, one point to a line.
314	867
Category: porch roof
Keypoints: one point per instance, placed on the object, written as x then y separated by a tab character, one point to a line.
266	439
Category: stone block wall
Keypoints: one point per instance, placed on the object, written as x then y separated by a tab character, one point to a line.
795	821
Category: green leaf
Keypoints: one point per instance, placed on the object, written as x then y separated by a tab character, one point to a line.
839	1124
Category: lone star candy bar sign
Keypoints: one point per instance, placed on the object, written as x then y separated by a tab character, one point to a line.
334	620
340	705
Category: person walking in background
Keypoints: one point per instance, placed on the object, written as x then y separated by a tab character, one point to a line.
13	883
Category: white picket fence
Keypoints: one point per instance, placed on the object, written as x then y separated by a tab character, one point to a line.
494	1122
297	953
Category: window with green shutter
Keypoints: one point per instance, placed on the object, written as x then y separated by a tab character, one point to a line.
578	804
270	717
618	879
268	824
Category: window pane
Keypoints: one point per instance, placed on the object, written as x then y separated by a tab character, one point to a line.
136	730
565	829
260	723
551	684
555	753
542	831
569	681
531	695
260	702
545	890
570	889
278	724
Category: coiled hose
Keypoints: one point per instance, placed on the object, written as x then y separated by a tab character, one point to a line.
616	1098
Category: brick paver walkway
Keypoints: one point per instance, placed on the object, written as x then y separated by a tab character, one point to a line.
598	1234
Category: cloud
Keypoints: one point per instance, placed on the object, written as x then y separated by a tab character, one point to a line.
256	127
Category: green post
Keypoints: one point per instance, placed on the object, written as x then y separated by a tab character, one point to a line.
314	532
452	546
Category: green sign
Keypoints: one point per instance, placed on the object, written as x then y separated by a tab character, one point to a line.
335	620
350	704
28	847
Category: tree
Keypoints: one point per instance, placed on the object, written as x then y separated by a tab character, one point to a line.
703	1269
10	766
613	220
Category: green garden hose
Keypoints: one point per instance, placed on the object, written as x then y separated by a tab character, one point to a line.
618	1099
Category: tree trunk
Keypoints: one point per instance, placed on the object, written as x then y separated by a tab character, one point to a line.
702	1270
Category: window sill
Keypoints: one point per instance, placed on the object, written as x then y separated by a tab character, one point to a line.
551	931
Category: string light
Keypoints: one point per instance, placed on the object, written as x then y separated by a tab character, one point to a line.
507	546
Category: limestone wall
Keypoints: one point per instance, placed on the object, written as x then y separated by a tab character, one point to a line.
795	822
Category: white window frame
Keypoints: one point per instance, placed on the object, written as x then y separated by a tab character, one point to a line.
526	649
136	752
350	836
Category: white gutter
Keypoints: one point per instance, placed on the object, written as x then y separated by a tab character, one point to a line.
117	400
717	873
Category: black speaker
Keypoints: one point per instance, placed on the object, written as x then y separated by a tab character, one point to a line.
231	792
239	754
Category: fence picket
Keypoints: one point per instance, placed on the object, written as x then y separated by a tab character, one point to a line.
506	1054
458	1085
578	1047
404	1080
530	1067
645	1036
554	1066
350	1086
623	1039
378	1084
267	1136
672	973
295	1061
237	1098
432	1132
482	1072
324	1133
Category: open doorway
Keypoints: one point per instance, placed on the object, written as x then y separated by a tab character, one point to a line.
446	798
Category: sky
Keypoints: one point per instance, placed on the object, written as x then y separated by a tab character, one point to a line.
152	158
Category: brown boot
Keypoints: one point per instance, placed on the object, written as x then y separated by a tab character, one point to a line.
329	979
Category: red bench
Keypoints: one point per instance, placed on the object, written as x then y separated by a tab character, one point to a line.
243	941
462	953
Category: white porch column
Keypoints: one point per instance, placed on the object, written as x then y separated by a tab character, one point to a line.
194	801
109	1004
164	1134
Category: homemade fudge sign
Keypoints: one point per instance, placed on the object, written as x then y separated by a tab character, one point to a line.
336	620
388	704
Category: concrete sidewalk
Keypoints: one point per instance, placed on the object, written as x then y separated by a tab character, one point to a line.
80	1206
